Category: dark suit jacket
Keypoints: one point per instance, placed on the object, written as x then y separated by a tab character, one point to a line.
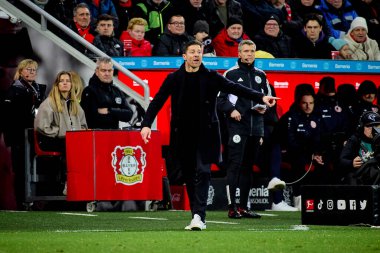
211	83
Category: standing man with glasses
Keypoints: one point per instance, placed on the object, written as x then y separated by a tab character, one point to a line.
173	40
21	101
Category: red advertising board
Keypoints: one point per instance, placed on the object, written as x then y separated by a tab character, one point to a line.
284	83
113	165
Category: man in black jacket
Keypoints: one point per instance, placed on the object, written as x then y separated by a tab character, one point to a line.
103	103
245	121
194	127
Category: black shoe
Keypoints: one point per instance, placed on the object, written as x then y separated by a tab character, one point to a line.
249	213
233	213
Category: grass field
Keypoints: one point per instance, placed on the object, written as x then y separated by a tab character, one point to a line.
163	231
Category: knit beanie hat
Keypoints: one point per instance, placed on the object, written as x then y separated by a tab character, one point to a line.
337	43
358	22
201	26
233	21
273	17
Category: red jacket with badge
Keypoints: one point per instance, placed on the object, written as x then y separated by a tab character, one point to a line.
226	46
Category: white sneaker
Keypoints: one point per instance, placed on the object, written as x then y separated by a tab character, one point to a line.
196	224
297	202
64	192
282	206
276	184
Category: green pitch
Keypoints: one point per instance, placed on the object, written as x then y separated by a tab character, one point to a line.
163	231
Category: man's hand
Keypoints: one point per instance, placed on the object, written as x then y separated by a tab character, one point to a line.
235	114
145	134
269	100
103	110
357	162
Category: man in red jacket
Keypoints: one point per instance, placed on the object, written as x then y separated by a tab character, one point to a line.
227	41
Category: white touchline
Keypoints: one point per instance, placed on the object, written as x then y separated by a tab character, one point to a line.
222	222
80	214
292	228
147	218
89	230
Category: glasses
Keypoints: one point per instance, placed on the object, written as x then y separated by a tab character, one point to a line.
31	69
177	23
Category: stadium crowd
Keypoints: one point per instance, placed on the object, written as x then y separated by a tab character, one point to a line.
307	142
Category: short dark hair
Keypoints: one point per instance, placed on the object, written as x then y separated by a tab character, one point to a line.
191	43
105	17
313	16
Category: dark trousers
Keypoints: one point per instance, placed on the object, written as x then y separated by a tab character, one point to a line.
242	154
197	184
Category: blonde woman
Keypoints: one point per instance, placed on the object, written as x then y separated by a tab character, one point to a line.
21	101
59	113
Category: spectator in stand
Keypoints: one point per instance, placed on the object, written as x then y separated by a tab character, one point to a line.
362	47
226	43
59	113
312	42
257	10
193	10
99	7
221	11
105	39
21	102
358	148
370	10
133	39
81	24
61	10
366	96
341	45
272	40
171	43
292	23
338	16
201	34
305	7
157	13
124	9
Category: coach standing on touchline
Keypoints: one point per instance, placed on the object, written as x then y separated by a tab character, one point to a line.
194	128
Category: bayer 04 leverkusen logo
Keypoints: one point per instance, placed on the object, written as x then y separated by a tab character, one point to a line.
128	164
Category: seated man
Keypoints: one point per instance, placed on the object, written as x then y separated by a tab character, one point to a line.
105	39
173	40
227	41
362	47
312	41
